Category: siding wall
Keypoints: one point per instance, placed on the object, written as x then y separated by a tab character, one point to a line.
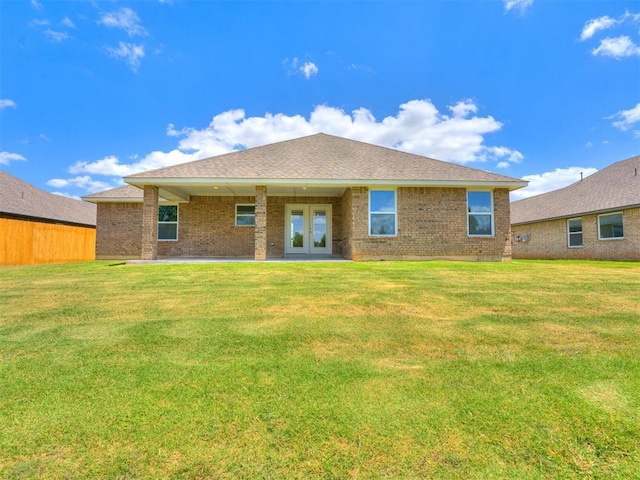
25	242
549	240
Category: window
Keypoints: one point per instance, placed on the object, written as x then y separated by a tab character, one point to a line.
245	215
574	232
167	222
480	213
610	226
382	213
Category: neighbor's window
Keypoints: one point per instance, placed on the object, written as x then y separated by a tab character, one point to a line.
167	222
480	213
245	215
382	212
610	226
574	232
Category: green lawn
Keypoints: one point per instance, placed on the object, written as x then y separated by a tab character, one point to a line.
333	370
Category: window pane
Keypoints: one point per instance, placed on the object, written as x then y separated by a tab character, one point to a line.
479	224
479	202
611	226
575	225
383	224
297	228
246	209
243	220
167	231
168	213
575	240
383	201
319	228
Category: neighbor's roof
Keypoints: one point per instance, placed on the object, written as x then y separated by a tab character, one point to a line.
21	199
323	157
612	188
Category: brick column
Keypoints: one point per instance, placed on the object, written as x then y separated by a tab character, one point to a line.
261	223
150	223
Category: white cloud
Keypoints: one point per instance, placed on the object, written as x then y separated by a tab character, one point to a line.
595	25
617	47
463	108
308	69
39	22
128	52
520	5
126	19
548	181
7	157
627	118
64	194
417	128
85	183
36	5
66	21
56	37
7	103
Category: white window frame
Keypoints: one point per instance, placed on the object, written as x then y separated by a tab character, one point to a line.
491	214
395	212
176	223
600	237
569	232
245	214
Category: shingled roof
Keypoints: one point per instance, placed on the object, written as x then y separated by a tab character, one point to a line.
323	157
612	188
18	198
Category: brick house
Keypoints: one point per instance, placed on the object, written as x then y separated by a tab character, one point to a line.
40	227
315	195
597	217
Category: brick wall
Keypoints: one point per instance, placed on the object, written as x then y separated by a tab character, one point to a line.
432	223
347	223
206	227
549	240
118	230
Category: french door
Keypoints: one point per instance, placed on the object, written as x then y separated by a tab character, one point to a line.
308	229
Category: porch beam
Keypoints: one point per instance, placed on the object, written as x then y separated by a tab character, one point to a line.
150	223
261	223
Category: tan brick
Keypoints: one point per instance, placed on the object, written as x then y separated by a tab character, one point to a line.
549	239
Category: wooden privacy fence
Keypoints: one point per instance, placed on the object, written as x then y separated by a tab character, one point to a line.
25	242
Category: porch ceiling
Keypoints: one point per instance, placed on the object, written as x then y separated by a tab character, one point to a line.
182	192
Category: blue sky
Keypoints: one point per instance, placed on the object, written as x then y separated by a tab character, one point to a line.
92	91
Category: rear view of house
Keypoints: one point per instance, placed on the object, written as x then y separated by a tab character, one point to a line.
597	217
40	227
316	195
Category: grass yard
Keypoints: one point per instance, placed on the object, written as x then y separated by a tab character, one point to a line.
337	370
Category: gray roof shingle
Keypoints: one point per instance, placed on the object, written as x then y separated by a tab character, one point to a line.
612	188
128	192
20	198
324	157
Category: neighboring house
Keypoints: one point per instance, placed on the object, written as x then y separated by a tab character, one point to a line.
316	195
40	227
597	217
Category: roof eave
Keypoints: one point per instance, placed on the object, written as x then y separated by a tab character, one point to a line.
319	182
579	214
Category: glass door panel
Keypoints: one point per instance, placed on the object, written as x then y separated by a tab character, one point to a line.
297	237
308	229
